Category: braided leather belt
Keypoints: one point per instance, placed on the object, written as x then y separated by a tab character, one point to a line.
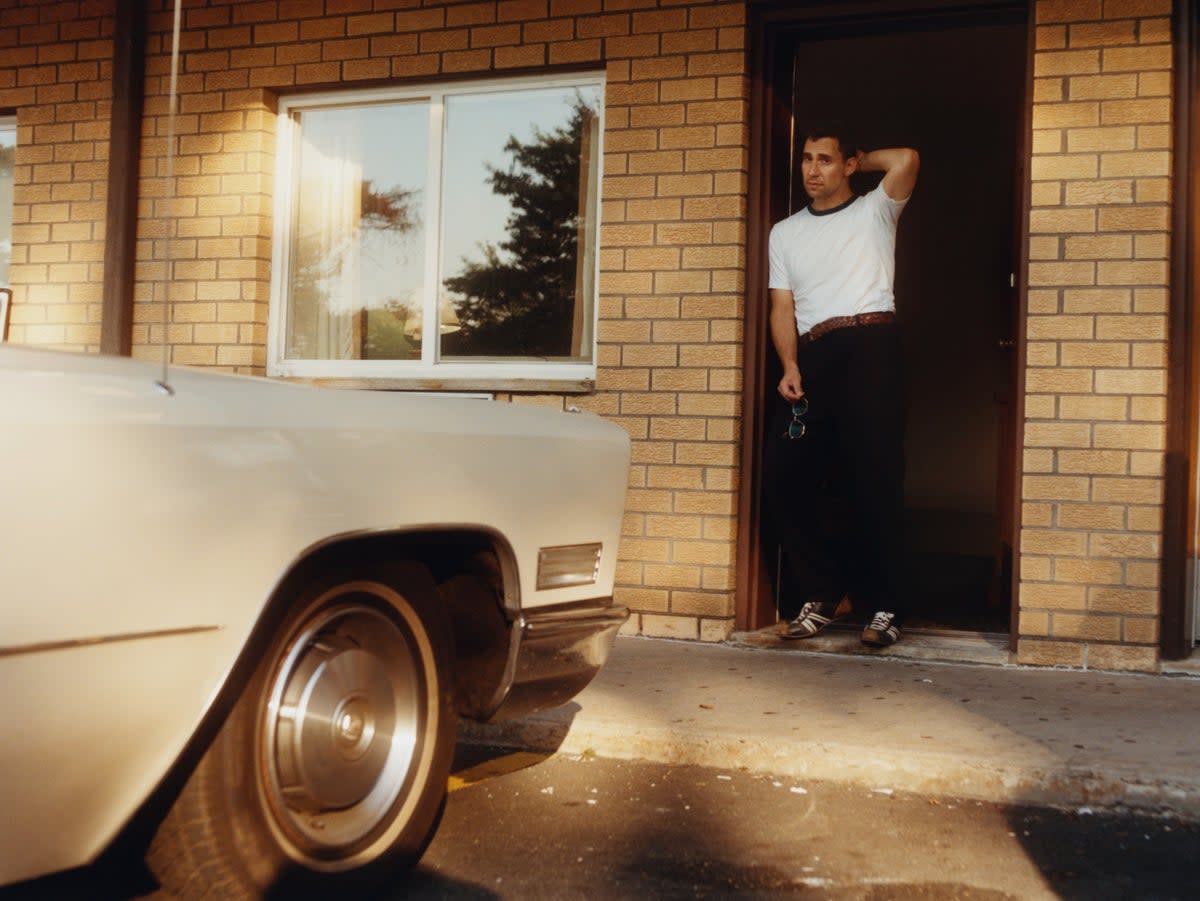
824	328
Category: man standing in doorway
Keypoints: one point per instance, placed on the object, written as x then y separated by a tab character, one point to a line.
840	430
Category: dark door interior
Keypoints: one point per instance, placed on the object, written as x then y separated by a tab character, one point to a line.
953	88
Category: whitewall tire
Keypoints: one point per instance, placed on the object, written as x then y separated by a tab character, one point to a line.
332	768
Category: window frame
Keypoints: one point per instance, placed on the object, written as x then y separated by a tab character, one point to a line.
8	122
430	372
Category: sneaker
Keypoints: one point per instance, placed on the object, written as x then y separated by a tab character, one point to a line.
882	631
815	616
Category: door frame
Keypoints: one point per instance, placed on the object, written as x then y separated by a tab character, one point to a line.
771	27
1181	477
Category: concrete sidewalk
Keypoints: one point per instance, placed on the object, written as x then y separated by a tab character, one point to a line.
994	733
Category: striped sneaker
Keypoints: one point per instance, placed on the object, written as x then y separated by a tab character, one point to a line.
882	632
815	616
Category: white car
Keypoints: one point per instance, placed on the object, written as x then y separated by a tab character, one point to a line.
240	618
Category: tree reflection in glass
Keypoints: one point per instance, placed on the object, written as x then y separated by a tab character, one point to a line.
519	217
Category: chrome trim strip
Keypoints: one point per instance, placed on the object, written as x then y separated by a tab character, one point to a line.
68	644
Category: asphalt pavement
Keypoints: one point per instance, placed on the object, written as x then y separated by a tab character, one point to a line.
986	731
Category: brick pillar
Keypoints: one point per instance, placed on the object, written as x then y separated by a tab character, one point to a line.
215	270
1091	528
672	278
56	72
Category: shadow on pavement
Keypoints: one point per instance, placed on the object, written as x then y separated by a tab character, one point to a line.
1102	856
472	763
87	884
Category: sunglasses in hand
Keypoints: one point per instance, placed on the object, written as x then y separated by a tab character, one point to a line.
796	428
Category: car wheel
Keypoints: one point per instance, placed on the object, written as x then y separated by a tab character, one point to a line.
333	765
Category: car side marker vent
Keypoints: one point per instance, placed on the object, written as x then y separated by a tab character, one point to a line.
566	565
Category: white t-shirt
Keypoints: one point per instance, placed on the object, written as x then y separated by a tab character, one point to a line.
838	262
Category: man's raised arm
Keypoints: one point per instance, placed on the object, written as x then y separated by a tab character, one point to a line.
899	166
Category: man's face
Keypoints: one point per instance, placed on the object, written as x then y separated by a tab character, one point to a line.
826	171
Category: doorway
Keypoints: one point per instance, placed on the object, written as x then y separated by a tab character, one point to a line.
952	85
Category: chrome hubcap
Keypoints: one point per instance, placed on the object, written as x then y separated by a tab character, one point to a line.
342	729
353	725
337	702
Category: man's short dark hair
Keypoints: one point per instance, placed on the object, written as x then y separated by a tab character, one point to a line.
832	128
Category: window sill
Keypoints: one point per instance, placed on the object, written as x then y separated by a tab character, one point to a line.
453	384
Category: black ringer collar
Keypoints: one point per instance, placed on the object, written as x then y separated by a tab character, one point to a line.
834	209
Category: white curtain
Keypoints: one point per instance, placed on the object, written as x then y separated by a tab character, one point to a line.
332	202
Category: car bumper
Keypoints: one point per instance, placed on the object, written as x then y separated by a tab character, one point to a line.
555	653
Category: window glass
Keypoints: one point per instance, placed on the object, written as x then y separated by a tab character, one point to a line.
441	233
515	195
355	272
8	152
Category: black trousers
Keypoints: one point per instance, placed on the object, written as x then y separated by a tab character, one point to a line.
835	496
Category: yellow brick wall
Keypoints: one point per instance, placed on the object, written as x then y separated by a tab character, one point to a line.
672	254
1092	486
56	75
673	237
672	282
204	255
672	240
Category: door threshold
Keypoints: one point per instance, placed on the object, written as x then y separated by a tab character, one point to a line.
1188	666
945	645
